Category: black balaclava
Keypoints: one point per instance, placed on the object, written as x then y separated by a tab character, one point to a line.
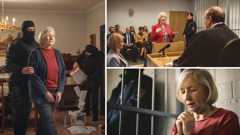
28	35
90	49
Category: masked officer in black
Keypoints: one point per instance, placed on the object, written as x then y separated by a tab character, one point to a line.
190	28
93	67
16	64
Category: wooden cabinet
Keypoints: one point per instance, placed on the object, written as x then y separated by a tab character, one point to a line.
69	97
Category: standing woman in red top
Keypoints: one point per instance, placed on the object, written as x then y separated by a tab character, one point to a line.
161	31
47	83
197	90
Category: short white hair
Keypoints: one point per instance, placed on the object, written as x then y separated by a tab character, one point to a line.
205	79
161	14
44	32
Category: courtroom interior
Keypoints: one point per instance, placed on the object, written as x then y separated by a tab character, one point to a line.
172	32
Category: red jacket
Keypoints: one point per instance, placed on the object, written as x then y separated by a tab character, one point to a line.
158	37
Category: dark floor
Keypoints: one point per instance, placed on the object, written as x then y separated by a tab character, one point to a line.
61	128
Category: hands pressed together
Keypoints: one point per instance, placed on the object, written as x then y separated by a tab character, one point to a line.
28	70
185	123
50	97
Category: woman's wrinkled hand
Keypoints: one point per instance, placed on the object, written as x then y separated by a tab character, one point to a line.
188	122
49	97
28	70
58	97
179	126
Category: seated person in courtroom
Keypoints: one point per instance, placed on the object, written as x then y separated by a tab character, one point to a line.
129	43
117	29
205	47
197	90
141	42
114	57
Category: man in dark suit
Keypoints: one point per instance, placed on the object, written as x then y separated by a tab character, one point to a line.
129	43
190	28
205	47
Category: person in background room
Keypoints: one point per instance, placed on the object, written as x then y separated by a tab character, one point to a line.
114	57
16	64
117	29
93	64
145	31
111	30
129	43
190	28
46	84
133	32
141	42
197	90
161	32
205	47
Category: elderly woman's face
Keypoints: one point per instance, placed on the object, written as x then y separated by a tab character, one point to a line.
120	45
49	39
193	94
163	19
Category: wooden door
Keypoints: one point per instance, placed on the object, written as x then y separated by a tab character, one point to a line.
177	20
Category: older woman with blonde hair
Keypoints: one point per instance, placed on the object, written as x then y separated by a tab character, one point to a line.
114	57
162	32
47	83
197	90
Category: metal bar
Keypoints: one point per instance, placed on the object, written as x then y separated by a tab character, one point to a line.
166	99
141	110
179	105
153	103
200	13
138	100
195	10
121	102
231	5
166	91
238	17
236	12
228	13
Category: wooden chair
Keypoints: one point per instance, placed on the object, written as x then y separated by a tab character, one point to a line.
35	117
2	102
230	57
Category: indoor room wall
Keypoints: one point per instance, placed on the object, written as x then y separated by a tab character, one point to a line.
94	19
145	11
72	28
228	84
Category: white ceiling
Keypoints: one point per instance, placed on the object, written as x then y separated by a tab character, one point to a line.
51	5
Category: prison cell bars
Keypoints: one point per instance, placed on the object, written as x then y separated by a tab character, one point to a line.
138	101
153	103
121	102
138	110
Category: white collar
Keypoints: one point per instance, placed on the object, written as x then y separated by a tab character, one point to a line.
216	24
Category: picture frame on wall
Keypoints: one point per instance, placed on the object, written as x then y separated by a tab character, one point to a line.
6	38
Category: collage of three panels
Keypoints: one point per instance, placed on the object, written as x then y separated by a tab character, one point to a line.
120	67
173	67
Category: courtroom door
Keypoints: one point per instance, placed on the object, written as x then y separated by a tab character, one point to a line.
177	20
